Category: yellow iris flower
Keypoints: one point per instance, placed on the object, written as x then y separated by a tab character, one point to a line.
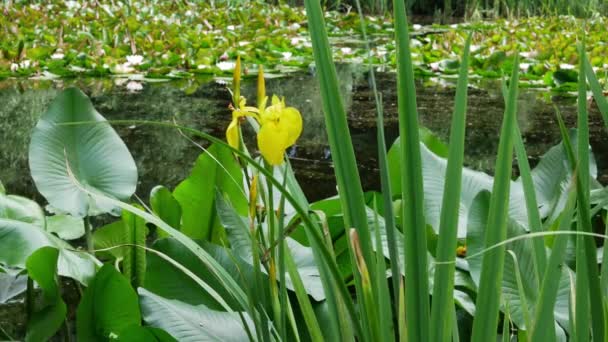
232	132
280	127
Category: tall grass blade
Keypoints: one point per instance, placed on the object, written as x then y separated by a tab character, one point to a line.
591	283
414	226
520	290
488	296
443	290
596	89
310	319
385	314
534	221
345	164
543	330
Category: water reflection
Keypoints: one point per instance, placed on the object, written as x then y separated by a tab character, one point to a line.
164	156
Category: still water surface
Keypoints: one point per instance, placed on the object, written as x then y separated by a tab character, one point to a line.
165	157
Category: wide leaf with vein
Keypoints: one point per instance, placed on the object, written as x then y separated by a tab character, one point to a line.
72	147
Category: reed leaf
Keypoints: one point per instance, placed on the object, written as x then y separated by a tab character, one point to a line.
488	296
591	282
442	317
417	309
596	89
542	329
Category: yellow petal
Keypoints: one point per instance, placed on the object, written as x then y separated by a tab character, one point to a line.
262	104
272	142
276	100
232	133
291	120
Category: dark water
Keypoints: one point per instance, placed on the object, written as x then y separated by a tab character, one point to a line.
165	157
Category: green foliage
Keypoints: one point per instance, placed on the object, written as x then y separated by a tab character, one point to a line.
92	155
165	206
488	296
200	39
108	306
136	333
134	258
24	239
240	254
214	169
47	319
191	323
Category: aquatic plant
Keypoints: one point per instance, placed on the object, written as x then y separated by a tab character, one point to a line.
236	251
160	41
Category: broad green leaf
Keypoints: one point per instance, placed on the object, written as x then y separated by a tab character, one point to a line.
11	285
91	154
166	207
551	177
237	230
109	236
215	168
134	234
26	238
2	189
108	306
66	227
190	323
165	280
136	333
525	256
21	209
46	320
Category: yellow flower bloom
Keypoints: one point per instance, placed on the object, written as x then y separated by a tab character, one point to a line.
232	132
280	127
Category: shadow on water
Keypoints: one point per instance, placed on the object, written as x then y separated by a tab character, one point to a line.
165	157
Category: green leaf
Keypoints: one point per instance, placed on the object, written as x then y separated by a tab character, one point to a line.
11	285
442	319
191	323
21	209
109	305
45	321
596	88
523	250
91	154
488	296
166	207
108	236
587	277
2	189
546	303
134	234
237	231
66	227
25	238
565	76
216	168
136	333
165	280
340	142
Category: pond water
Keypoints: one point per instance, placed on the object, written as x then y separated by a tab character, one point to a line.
165	157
